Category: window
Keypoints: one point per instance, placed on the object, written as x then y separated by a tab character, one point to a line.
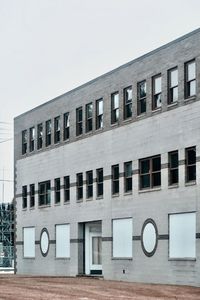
128	102
57	130
115	179
32	195
173	167
57	190
89	115
79	182
24	196
66	188
89	184
150	172
99	113
48	133
44	193
122	238
141	97
114	108
39	136
156	98
79	121
29	242
99	173
24	141
190	155
63	241
66	126
32	138
190	79
172	85
128	177
182	235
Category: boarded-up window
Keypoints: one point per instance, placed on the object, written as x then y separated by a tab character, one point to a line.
29	242
63	241
122	238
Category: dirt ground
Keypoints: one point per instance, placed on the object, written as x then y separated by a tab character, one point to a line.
21	288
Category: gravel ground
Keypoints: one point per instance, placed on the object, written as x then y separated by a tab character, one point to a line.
21	288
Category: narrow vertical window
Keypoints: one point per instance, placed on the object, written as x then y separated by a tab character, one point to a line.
66	121
141	97
128	102
32	139
57	130
173	167
89	116
79	121
44	191
99	113
150	172
32	195
190	155
128	177
79	185
99	173
24	196
190	79
57	190
48	133
39	136
24	141
157	91
114	108
66	188
115	179
172	85
89	184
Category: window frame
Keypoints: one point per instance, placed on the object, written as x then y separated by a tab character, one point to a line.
89	184
99	184
172	169
48	132
57	191
57	130
24	197
187	81
128	178
154	94
128	104
114	111
32	195
66	189
150	173
79	186
24	141
32	139
79	123
88	119
66	126
140	99
99	117
189	166
39	136
171	88
46	194
115	181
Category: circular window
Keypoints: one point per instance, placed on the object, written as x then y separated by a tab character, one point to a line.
44	242
149	237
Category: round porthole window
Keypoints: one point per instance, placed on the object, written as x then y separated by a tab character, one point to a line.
44	242
149	237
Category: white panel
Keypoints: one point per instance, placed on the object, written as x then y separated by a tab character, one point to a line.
122	238
63	240
44	242
182	235
149	237
29	242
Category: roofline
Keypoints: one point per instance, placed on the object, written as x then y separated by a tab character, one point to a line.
114	70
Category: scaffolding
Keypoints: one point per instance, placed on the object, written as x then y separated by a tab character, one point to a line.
6	234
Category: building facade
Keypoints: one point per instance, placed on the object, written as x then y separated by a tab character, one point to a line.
107	176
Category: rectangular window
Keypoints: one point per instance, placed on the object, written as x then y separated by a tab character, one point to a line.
79	183
79	121
127	102
115	179
122	238
89	116
190	164
190	79
32	195
44	190
128	177
32	139
24	196
66	124
172	85
99	173
141	97
57	190
57	130
99	113
39	136
114	108
48	133
29	242
66	188
173	167
89	184
24	141
157	91
63	241
150	172
182	235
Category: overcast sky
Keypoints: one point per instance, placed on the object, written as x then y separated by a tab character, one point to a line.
48	47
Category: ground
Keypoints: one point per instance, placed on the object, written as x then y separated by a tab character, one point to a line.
42	288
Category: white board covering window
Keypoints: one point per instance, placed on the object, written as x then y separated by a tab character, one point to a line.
122	238
29	242
63	241
182	235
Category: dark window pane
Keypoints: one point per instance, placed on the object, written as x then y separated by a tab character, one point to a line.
128	186
145	166
191	173
156	165
191	156
142	106
100	189
156	179
145	181
174	160
174	176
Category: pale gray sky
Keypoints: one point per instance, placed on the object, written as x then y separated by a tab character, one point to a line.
51	46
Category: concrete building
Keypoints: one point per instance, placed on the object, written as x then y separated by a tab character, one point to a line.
107	176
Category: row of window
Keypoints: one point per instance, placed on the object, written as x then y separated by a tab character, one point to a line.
149	177
190	90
